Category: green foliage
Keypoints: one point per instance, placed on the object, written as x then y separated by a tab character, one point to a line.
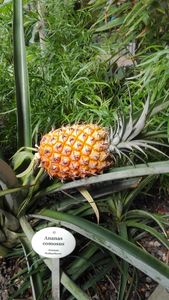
75	75
7	96
73	69
66	76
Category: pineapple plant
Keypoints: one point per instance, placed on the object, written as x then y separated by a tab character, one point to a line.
70	152
84	150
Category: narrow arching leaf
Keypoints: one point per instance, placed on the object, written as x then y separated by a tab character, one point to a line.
19	157
124	265
27	171
73	288
111	24
139	125
135	213
158	108
97	192
117	173
89	198
7	191
80	264
35	279
150	230
147	181
128	127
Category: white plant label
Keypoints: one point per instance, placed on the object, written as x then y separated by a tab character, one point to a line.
53	242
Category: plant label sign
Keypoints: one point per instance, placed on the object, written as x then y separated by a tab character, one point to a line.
53	242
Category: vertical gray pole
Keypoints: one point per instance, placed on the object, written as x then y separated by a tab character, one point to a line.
55	279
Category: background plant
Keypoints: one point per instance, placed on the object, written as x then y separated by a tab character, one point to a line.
82	79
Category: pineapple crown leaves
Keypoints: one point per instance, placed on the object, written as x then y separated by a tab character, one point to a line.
123	137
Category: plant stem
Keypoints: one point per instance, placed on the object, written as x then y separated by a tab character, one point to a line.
21	78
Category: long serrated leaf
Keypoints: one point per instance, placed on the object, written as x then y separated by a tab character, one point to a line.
138	170
114	243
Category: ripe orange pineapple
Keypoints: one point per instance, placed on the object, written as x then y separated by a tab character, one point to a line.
83	150
75	151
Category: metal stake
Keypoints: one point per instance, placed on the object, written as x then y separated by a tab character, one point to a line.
55	278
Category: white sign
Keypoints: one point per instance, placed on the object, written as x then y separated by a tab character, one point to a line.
53	242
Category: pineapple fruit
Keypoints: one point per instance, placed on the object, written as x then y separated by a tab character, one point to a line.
84	150
75	151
